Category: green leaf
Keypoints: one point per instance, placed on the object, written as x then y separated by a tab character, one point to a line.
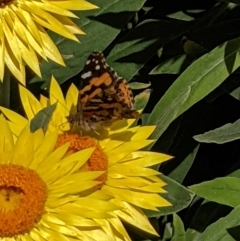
42	118
231	1
138	85
199	79
181	16
235	173
145	118
226	133
236	93
205	215
174	65
162	121
142	99
101	27
139	45
224	190
178	195
168	229
225	229
178	229
180	172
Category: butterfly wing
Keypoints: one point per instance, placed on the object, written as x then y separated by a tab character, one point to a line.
101	84
104	97
97	78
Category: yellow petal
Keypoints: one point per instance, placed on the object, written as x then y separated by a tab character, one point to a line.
52	160
121	125
125	135
31	31
76	178
135	216
79	158
111	145
14	117
6	139
23	149
54	201
96	235
136	183
75	220
15	129
104	143
56	95
53	8
143	133
114	228
49	47
87	211
97	204
70	25
121	151
38	136
44	101
131	170
75	5
15	67
30	57
146	158
74	188
105	224
71	98
48	21
30	103
142	200
7	24
100	195
44	149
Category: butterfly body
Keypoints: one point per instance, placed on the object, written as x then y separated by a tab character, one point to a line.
104	97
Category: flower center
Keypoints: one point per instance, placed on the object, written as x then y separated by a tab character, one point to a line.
22	198
98	160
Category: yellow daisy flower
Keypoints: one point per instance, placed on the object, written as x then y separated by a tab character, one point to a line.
128	178
42	197
23	38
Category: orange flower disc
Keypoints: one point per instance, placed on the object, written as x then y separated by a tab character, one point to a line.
98	160
22	199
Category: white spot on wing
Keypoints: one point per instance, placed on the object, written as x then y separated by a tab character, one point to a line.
86	75
97	67
96	61
88	62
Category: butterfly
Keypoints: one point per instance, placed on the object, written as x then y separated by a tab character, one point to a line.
103	98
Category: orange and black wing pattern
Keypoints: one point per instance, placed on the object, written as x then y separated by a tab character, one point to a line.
104	97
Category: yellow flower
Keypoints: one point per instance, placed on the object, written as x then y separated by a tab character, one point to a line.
128	178
41	195
23	38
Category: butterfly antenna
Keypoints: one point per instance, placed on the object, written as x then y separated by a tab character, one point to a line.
61	126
